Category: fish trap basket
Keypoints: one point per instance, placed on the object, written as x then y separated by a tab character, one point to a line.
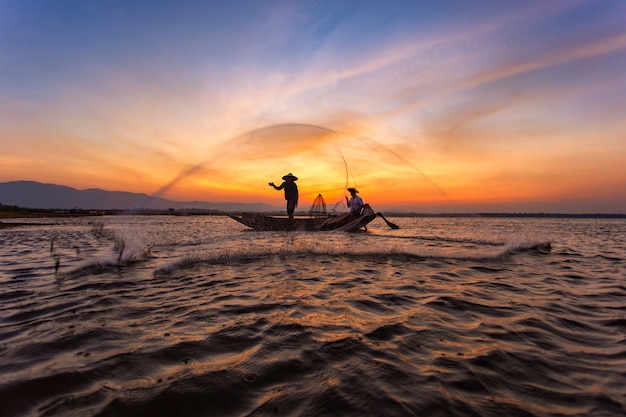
318	209
367	210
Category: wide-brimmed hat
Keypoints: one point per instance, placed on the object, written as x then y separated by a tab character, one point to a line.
351	189
290	176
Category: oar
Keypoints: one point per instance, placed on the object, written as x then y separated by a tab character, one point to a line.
391	225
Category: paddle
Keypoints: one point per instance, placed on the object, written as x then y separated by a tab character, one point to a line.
391	225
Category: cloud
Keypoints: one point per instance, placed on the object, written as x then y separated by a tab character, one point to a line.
551	58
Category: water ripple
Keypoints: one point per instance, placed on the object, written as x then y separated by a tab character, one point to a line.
188	323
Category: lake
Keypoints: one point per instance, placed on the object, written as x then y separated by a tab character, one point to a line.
198	316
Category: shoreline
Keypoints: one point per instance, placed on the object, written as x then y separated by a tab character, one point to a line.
13	212
10	225
3	216
18	213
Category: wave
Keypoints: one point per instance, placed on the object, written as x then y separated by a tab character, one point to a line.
487	242
310	251
361	352
123	247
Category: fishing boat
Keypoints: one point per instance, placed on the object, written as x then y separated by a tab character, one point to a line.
262	222
318	220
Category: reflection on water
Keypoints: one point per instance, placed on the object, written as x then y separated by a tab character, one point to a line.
197	316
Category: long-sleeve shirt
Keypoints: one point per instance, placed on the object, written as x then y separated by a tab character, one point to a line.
355	204
291	190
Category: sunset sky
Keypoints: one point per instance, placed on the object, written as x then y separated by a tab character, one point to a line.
422	105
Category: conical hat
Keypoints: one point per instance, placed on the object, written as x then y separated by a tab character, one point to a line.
290	176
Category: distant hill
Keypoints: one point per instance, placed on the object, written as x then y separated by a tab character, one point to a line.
31	194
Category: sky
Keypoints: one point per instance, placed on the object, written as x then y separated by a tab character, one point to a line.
456	106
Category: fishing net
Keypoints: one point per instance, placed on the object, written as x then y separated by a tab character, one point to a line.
318	209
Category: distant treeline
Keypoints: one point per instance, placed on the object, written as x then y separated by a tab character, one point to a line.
15	211
30	212
531	215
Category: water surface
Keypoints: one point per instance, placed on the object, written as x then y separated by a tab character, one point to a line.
197	316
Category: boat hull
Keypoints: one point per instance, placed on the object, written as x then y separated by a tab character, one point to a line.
269	223
277	224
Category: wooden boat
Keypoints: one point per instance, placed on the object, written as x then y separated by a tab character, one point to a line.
269	223
310	224
304	224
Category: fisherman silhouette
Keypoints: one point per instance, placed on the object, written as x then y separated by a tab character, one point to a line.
291	192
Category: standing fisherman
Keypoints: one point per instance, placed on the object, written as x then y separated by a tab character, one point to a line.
291	192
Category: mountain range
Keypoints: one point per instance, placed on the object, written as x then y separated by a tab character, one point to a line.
36	195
